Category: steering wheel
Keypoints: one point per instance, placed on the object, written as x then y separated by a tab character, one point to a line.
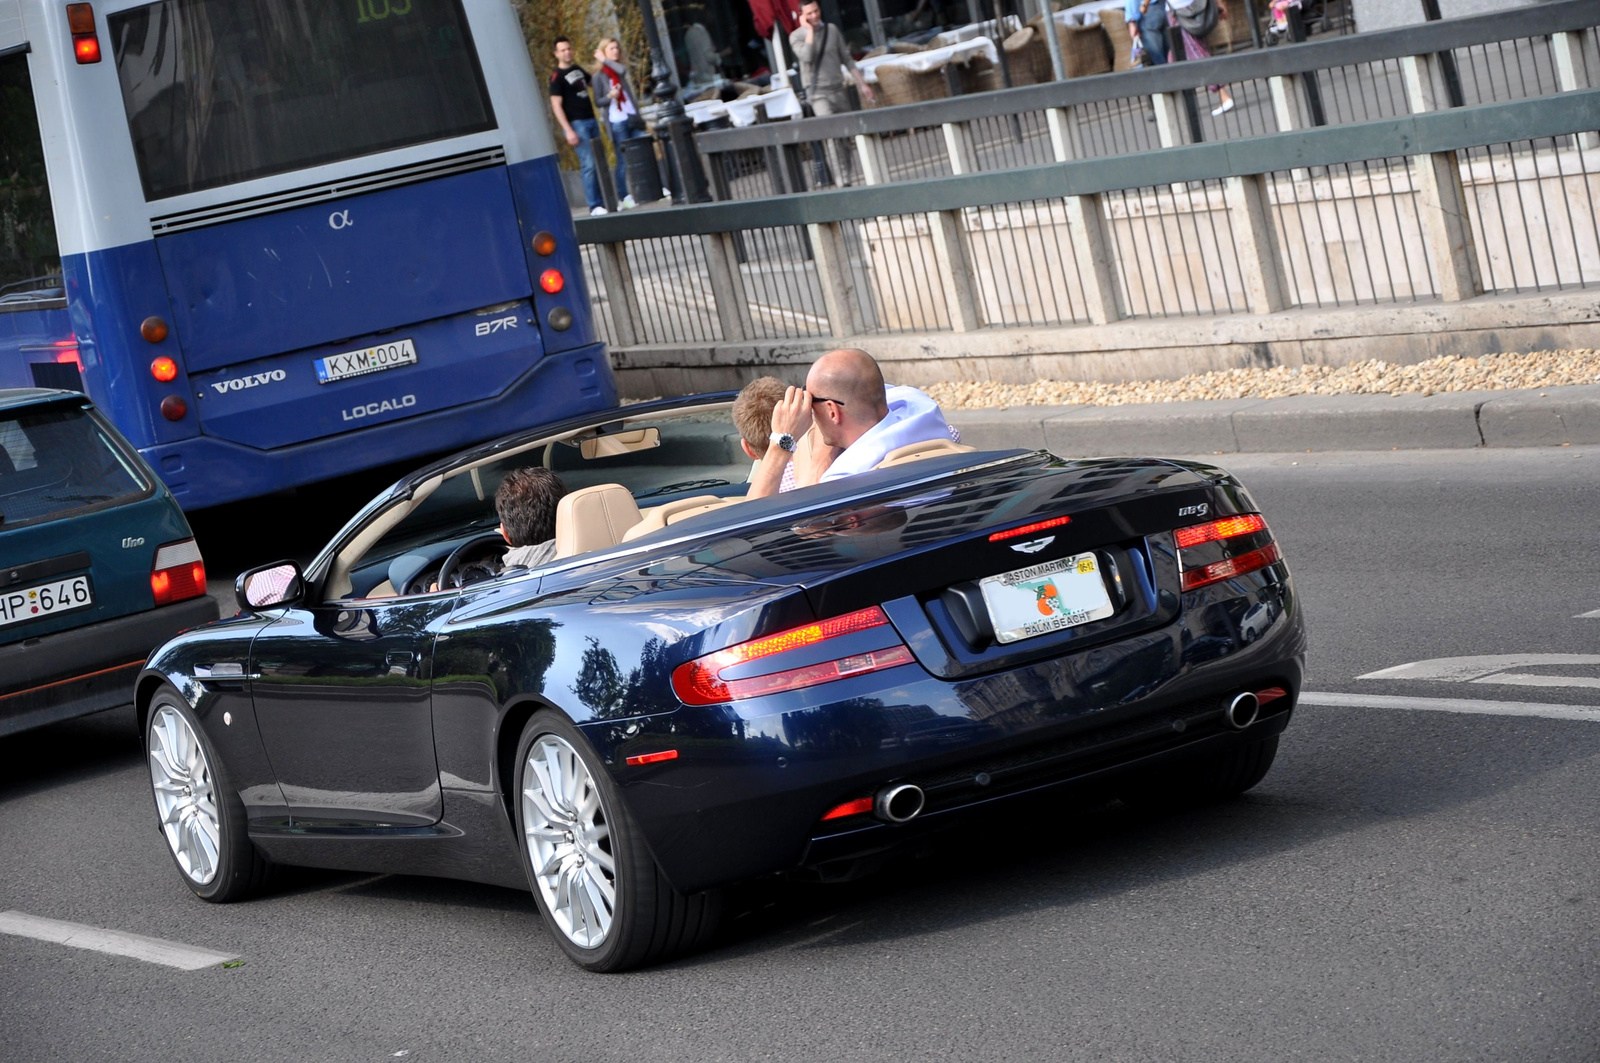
449	576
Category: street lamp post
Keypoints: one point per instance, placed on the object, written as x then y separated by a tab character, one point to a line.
674	128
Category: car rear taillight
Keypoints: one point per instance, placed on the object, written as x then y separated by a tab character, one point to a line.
1202	565
701	682
85	43
179	573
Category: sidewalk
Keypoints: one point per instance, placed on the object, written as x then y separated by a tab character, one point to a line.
1445	421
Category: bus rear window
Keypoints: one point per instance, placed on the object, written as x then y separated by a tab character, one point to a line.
223	91
56	462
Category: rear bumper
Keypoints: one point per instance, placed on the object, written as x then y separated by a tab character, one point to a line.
86	669
746	794
207	471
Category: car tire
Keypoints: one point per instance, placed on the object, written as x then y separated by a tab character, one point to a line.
648	920
198	811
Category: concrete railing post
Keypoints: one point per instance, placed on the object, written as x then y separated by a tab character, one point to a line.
955	270
1441	197
1065	140
1285	89
1256	242
620	294
832	259
1166	105
874	163
1093	247
727	286
1572	75
959	146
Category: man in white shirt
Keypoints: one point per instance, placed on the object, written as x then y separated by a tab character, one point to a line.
857	422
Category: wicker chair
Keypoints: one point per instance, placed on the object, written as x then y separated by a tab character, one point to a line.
1232	33
1115	23
1085	50
980	75
1028	56
898	85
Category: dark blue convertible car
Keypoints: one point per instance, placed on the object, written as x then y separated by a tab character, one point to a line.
700	689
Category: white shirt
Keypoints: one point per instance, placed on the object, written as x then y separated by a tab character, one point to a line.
913	417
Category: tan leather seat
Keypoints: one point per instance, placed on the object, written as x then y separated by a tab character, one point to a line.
594	518
658	517
928	448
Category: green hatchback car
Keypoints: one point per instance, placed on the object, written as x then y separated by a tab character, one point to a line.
97	563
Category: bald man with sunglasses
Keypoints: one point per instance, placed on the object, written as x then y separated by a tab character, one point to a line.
854	421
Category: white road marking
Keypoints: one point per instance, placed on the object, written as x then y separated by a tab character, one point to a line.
1466	669
115	942
1593	614
1527	680
1587	713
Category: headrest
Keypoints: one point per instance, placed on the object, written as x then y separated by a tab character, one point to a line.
593	519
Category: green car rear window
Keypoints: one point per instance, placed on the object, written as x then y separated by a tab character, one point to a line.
55	462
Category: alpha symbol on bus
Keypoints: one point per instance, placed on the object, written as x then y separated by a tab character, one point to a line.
340	219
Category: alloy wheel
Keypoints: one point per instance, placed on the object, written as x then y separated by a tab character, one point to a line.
185	797
569	841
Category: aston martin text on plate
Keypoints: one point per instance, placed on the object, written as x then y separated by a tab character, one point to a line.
32	603
391	355
1048	597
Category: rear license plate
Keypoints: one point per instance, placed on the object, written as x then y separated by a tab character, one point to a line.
44	599
391	355
1048	597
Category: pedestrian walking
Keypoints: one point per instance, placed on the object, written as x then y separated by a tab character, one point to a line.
622	112
1196	19
1148	18
819	46
574	111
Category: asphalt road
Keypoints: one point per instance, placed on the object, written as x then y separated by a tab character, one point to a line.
1405	885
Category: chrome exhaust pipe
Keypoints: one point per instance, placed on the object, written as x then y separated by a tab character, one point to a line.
1242	711
898	804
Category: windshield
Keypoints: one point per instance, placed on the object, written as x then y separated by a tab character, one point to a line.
54	463
699	454
222	91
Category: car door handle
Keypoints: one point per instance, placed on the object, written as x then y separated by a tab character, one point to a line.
394	657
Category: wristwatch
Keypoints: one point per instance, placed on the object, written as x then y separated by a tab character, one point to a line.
784	441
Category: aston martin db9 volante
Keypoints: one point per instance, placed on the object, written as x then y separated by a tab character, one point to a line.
700	688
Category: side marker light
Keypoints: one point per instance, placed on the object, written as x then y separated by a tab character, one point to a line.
544	243
153	329
652	758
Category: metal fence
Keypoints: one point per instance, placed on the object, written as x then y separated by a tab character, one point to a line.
1443	205
1525	53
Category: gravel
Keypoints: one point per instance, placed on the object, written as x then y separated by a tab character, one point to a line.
1493	372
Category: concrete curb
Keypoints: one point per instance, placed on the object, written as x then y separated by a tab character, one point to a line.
1446	421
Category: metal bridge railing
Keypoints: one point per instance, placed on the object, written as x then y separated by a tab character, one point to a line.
1443	205
1524	53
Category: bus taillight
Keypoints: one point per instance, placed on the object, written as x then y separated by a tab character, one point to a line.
85	42
552	281
164	369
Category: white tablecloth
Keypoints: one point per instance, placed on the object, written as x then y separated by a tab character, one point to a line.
781	103
976	29
933	59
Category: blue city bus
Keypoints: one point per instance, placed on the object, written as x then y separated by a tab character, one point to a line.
279	241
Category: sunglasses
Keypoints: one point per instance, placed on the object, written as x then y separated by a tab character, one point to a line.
818	398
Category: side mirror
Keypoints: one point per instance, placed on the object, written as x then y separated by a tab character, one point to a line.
279	583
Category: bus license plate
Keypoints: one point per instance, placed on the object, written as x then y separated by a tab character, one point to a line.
390	355
44	599
1048	597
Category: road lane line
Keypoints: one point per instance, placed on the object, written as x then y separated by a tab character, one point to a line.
1465	669
115	942
1588	713
1593	614
1528	679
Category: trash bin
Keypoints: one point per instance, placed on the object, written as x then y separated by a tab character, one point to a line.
644	174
